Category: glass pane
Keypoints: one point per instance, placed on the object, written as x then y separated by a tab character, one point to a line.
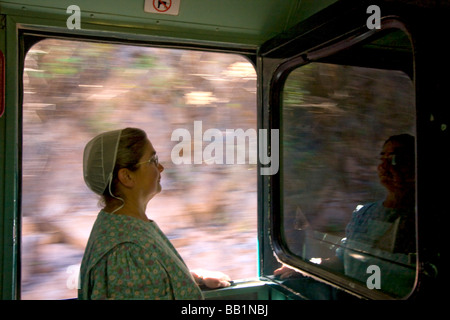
75	90
348	195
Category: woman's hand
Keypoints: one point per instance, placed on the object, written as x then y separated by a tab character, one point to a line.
285	272
211	279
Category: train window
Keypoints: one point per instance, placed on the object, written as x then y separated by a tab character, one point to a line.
74	90
348	179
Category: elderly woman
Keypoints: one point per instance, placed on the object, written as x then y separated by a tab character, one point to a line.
127	255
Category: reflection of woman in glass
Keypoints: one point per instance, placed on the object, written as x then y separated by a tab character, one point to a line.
383	233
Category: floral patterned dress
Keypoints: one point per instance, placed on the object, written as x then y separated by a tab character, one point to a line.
384	237
127	258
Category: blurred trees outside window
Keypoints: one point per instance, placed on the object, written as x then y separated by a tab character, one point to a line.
75	90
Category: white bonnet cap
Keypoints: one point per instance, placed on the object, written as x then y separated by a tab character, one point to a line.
99	159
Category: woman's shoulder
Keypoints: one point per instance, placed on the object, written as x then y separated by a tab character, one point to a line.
115	225
111	230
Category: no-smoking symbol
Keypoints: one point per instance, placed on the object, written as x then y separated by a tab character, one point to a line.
162	5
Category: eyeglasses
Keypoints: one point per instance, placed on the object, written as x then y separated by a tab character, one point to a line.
397	159
391	159
153	159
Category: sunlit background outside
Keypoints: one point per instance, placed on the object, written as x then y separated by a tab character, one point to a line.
76	90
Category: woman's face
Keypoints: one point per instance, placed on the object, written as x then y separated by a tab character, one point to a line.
148	174
396	169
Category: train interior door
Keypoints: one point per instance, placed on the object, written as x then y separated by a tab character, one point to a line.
337	88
